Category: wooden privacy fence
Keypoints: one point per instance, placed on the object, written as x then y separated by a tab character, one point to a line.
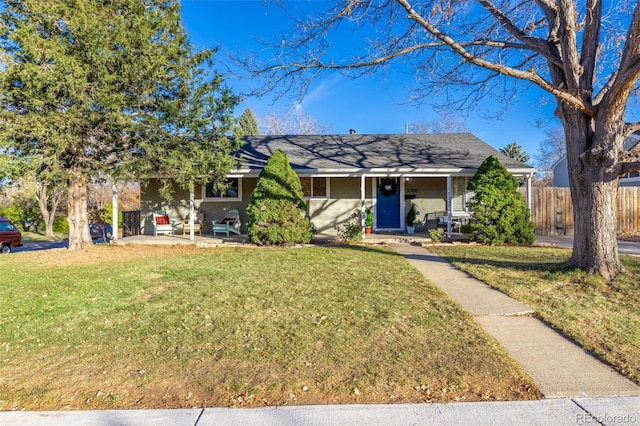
552	211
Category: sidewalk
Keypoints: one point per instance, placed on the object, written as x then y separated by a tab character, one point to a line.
583	411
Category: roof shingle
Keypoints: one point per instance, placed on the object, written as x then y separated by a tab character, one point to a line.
366	152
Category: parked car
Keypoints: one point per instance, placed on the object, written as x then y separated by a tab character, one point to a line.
101	230
10	236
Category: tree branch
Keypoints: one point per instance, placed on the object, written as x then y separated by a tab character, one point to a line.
631	128
567	39
590	43
622	82
532	43
629	163
531	75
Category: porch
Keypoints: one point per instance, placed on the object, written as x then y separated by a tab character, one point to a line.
208	240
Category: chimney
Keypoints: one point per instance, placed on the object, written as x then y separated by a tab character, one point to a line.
352	132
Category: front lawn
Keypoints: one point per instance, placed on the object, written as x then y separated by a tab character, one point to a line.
602	318
38	237
159	326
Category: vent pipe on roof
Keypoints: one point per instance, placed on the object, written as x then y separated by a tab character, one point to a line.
352	132
406	128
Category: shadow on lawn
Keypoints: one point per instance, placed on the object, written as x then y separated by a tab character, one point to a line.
560	266
378	249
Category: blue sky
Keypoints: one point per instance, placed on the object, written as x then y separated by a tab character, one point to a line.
376	104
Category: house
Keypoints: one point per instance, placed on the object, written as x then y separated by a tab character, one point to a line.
561	170
343	173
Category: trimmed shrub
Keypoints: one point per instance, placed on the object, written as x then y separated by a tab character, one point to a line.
500	215
277	208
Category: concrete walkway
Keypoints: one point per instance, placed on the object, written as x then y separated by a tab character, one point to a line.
558	366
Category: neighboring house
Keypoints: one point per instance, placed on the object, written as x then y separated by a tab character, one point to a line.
561	170
343	173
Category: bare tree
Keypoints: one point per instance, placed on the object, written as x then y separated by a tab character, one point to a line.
448	122
100	195
292	122
552	148
585	54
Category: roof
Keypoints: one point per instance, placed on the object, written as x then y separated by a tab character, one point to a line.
362	152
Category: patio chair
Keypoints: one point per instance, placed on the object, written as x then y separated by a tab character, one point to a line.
229	223
198	223
442	219
162	224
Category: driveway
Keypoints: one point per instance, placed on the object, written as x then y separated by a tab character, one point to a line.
566	241
48	245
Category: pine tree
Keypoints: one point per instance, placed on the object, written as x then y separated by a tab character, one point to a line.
500	214
277	208
246	124
110	88
515	151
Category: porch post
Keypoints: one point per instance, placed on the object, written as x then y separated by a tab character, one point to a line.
529	178
191	218
362	204
114	212
449	191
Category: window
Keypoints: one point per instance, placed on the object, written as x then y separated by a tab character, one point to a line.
7	226
459	193
233	191
315	187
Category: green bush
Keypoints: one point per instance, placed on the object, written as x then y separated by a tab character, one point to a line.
500	215
24	213
351	229
13	213
61	224
436	235
277	208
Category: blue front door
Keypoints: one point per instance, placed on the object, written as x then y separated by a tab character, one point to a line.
388	203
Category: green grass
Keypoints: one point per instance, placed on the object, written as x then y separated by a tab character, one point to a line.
124	327
602	317
37	237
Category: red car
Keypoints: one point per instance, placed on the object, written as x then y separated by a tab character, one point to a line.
10	236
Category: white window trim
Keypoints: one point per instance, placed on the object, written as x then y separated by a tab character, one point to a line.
324	197
627	178
223	199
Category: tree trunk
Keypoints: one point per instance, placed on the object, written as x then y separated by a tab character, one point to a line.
79	236
43	201
49	216
593	148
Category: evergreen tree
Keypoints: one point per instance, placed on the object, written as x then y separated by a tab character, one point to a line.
109	88
500	214
515	151
277	208
246	124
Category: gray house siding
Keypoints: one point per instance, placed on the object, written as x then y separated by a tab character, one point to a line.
561	173
561	169
426	166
